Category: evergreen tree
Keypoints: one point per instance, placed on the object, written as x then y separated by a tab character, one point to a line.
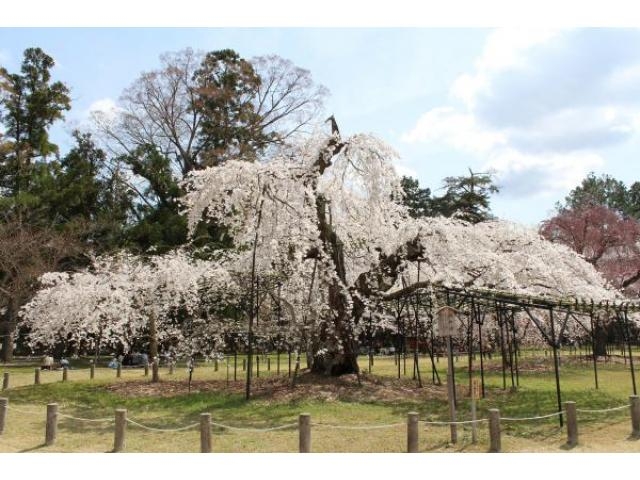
466	197
603	190
29	104
416	199
231	124
87	198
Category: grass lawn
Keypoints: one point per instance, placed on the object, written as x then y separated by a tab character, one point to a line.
382	401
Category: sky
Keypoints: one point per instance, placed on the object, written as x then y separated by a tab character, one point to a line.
540	108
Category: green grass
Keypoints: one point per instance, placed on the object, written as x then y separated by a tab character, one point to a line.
536	395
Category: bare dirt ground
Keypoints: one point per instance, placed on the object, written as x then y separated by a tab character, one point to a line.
307	385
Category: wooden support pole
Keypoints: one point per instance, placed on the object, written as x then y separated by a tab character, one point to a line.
119	370
171	368
451	393
572	423
494	430
5	381
51	429
304	429
215	365
635	415
65	374
92	372
4	405
412	432
205	433
36	378
121	430
146	369
474	425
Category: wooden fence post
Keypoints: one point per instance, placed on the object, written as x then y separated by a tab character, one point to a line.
146	369
4	403
205	433
635	416
65	374
494	430
412	432
92	372
36	378
171	367
121	430
572	423
51	430
215	365
5	381
304	428
119	370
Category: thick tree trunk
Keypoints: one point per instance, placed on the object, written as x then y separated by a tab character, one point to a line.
7	331
339	344
153	337
339	349
600	343
7	342
336	363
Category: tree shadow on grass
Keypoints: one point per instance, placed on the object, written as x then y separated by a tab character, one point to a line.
33	449
567	447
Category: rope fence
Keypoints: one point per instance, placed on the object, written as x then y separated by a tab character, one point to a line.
154	429
604	410
304	425
97	420
254	430
357	427
463	422
526	419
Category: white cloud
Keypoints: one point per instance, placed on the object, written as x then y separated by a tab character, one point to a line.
503	50
520	174
459	130
404	170
103	111
105	106
539	106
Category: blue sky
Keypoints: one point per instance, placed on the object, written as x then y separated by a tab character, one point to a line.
541	108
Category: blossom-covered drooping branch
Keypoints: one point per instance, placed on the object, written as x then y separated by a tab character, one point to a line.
332	241
111	303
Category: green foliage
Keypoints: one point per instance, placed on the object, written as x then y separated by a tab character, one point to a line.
606	191
466	197
29	104
226	87
159	224
416	199
86	196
